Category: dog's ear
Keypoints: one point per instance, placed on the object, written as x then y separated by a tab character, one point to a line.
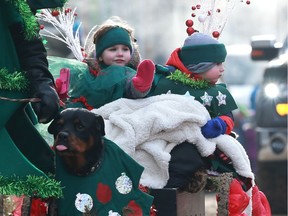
99	123
52	126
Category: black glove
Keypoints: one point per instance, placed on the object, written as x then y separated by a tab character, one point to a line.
33	61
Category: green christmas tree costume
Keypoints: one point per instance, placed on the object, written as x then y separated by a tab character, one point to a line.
23	150
116	178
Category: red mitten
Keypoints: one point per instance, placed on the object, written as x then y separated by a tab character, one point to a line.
145	75
260	205
238	199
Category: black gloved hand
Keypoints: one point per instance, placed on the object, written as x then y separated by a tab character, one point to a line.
33	61
48	106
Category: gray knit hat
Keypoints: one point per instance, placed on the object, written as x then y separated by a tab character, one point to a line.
200	52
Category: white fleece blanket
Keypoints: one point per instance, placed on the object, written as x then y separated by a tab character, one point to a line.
147	129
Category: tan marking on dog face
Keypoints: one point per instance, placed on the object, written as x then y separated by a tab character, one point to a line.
79	145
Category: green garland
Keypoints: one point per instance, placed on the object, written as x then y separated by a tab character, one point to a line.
30	21
13	81
33	186
185	79
31	25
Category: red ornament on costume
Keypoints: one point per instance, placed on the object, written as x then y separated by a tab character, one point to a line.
135	209
103	193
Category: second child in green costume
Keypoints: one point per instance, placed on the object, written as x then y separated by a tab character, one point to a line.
115	73
194	69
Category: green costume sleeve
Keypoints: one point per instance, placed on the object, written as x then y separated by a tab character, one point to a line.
109	85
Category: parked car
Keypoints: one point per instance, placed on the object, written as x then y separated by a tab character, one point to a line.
271	121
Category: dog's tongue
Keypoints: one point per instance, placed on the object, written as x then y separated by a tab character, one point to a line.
61	147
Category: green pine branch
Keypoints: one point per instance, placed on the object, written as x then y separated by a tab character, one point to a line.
32	186
13	81
187	80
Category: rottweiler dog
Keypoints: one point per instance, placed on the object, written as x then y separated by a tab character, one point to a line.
78	139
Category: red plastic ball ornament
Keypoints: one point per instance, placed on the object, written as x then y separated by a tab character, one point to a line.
248	2
55	13
190	30
189	23
216	34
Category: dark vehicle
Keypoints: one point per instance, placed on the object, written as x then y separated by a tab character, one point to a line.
271	122
242	75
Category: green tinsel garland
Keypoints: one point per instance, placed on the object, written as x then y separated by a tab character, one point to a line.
13	81
33	186
31	25
30	21
185	79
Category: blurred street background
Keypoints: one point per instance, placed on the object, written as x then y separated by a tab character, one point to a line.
160	25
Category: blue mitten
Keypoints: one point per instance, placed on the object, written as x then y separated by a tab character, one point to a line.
214	128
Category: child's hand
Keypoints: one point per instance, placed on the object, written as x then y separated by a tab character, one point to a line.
214	128
145	75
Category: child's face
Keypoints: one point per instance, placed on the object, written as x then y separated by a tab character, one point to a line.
213	74
116	55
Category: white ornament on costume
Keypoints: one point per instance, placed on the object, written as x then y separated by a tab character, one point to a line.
206	98
111	213
221	98
84	202
123	184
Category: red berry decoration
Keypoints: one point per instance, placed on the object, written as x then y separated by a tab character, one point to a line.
41	26
189	23
193	8
193	14
55	13
216	34
190	30
198	6
218	10
248	2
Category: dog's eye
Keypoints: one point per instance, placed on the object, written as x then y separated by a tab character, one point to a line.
59	127
79	126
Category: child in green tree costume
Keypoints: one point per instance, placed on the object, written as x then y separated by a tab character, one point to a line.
194	69
24	75
115	71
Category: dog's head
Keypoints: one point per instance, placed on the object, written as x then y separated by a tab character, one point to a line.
78	137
